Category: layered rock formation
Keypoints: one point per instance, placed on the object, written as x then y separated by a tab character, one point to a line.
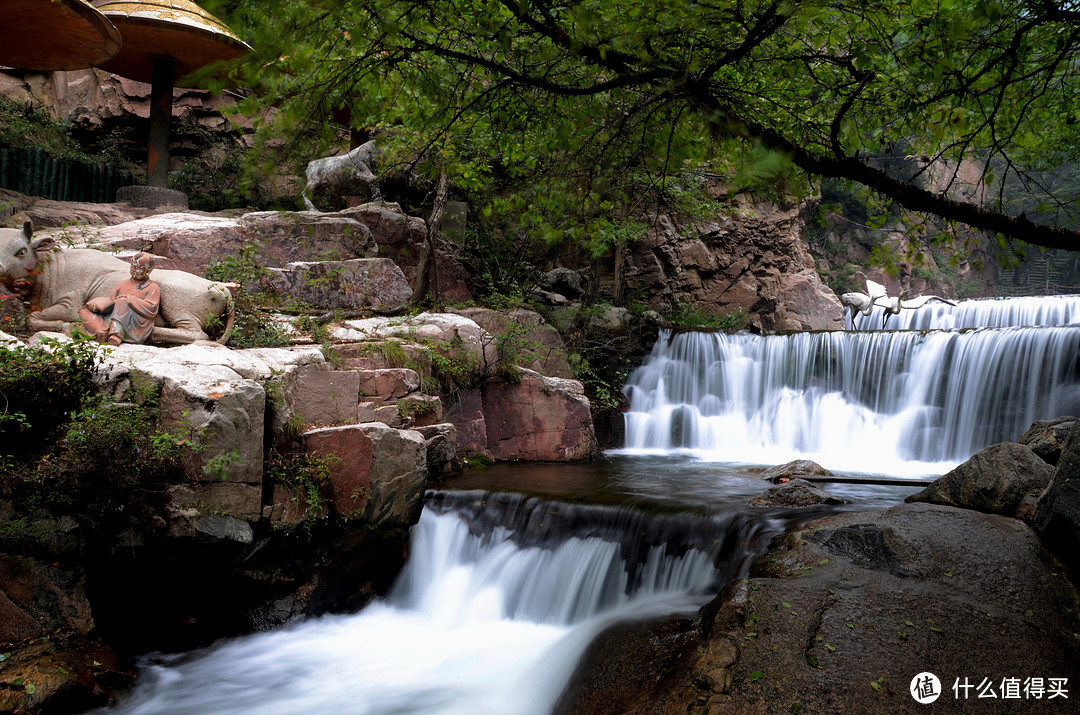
757	263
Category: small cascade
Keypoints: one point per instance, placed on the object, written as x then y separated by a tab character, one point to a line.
984	313
893	402
499	598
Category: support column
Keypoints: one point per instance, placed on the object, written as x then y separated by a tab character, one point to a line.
157	163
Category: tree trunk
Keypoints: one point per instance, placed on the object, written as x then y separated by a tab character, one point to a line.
620	273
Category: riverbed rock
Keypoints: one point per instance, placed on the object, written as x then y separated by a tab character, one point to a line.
999	479
377	473
1046	438
539	418
846	611
794	493
796	468
1057	515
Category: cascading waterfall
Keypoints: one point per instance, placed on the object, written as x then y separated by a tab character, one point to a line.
895	402
491	614
983	313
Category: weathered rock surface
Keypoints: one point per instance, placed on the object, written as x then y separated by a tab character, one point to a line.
349	285
1046	438
537	345
796	468
998	480
540	418
795	493
440	443
377	473
758	263
37	598
1057	515
859	599
448	333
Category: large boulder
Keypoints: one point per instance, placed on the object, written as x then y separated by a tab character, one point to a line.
348	285
794	493
440	442
1046	438
844	613
1057	515
539	418
377	473
997	480
795	468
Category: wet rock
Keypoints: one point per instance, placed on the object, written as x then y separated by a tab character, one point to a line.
997	480
53	596
1057	515
61	675
1046	438
440	442
795	493
215	528
798	467
955	592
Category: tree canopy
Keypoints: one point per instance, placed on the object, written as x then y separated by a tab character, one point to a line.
900	97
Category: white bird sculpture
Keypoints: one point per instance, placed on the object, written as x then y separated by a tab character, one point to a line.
893	306
863	303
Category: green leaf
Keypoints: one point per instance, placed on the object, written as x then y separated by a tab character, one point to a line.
756	676
30	688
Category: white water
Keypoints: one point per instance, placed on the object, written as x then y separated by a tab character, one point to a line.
897	403
475	625
983	313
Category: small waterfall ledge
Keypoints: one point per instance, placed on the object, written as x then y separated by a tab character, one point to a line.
887	402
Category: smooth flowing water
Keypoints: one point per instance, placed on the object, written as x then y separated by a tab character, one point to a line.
502	593
500	596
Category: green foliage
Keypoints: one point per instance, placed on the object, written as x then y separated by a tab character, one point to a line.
685	315
24	125
603	104
40	388
67	448
308	475
254	326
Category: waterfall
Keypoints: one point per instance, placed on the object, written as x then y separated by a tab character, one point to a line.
983	313
495	606
893	402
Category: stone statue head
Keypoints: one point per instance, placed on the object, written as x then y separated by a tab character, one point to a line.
141	265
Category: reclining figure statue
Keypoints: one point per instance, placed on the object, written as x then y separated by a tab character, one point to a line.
58	283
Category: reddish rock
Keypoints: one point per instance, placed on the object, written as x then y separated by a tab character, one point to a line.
422	410
377	473
55	598
388	385
15	623
467	415
540	418
320	396
402	239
